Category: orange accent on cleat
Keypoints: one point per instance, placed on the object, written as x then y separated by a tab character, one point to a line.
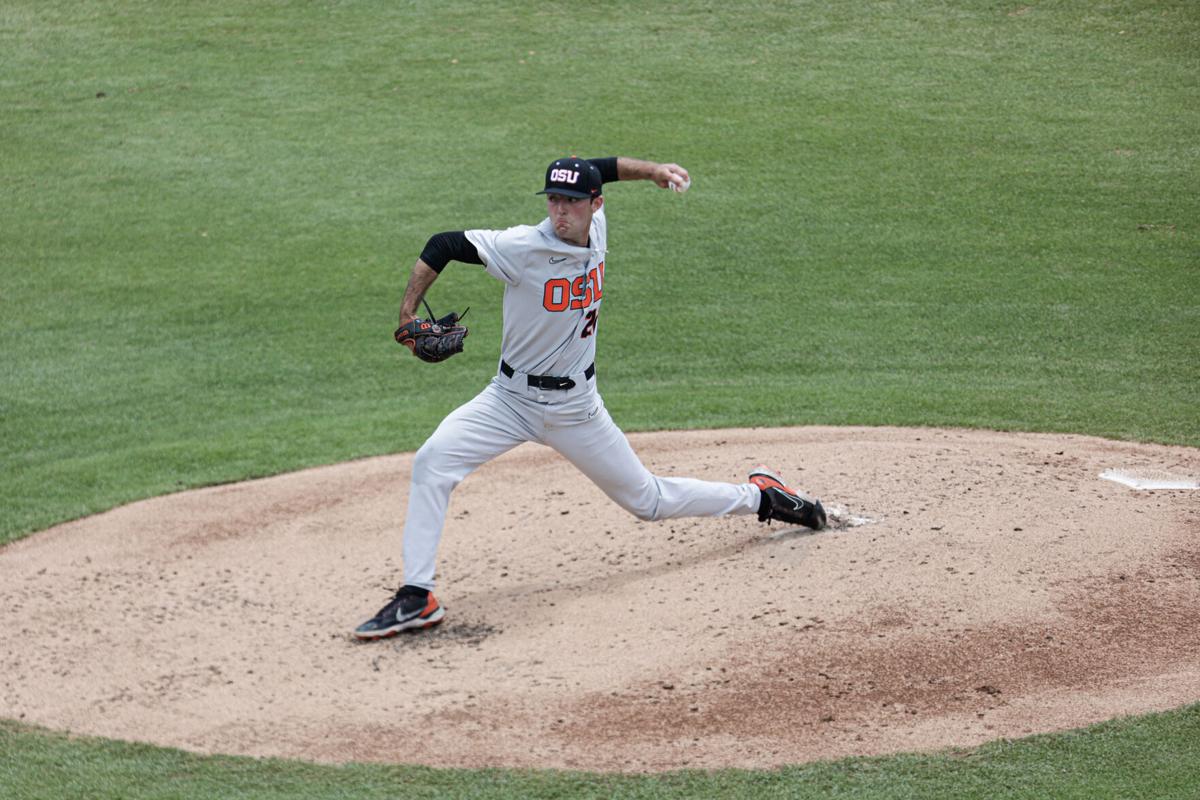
764	479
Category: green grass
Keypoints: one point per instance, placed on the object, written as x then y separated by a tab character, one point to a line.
974	214
1154	756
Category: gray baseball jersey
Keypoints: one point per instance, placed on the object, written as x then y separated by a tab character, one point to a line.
552	294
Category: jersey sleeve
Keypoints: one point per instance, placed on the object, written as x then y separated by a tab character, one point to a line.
503	252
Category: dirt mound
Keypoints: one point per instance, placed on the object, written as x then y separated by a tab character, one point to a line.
977	585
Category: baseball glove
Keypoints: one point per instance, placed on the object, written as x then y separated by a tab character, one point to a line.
432	339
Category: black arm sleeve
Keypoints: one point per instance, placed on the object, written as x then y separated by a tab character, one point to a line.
449	246
607	167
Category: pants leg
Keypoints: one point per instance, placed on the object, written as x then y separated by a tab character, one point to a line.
471	435
599	449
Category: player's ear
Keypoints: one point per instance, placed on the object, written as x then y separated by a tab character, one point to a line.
597	203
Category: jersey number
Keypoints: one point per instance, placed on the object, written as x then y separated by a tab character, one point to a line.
590	327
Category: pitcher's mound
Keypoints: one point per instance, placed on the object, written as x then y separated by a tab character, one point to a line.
975	585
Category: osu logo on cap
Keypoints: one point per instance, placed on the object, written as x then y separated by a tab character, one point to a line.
564	175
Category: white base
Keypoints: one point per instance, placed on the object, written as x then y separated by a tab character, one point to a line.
1150	479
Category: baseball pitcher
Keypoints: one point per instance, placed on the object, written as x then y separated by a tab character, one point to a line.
545	385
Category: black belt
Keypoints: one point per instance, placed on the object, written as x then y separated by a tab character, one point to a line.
548	381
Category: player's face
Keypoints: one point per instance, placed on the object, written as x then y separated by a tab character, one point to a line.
572	216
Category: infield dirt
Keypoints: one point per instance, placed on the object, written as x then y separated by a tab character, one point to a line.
999	588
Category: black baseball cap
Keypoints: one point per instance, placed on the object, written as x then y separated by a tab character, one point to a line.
573	177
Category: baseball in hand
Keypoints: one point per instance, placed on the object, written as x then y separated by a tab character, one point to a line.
682	187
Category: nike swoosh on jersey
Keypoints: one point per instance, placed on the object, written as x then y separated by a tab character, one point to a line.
558	260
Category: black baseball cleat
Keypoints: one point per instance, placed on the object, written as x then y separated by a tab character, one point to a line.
411	607
784	504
